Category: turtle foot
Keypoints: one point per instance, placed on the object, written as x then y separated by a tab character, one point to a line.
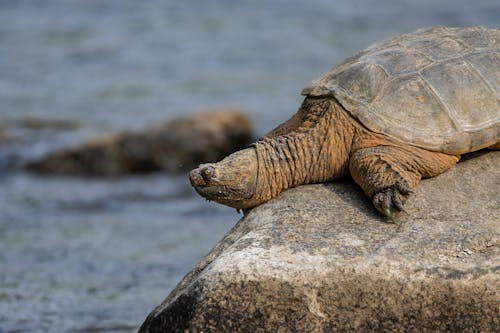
390	201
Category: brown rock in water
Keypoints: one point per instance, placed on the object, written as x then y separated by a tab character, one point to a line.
318	258
3	136
175	146
36	123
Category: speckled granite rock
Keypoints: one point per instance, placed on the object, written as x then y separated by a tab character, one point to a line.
320	259
177	145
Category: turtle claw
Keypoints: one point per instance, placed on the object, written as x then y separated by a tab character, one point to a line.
403	187
391	200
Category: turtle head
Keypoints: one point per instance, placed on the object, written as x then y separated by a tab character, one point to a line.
231	182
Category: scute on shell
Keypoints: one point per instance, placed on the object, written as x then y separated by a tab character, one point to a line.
436	88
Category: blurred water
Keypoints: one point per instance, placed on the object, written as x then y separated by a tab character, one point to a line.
80	255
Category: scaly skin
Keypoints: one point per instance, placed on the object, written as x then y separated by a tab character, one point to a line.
320	143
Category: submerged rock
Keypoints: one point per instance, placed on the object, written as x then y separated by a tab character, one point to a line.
3	136
177	145
36	123
319	258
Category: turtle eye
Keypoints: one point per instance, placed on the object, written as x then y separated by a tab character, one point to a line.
207	173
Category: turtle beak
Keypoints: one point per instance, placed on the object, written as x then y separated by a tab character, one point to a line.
204	175
206	182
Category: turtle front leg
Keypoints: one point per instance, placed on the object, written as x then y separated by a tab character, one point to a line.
388	174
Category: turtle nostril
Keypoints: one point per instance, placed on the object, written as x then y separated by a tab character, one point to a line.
208	173
195	178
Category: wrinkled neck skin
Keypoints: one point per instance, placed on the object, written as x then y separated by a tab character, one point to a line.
314	148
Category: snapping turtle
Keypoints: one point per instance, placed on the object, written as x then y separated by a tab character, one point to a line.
401	110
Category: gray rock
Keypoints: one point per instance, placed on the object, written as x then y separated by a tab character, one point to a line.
319	258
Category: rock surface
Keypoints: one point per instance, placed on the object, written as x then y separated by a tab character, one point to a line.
177	145
319	258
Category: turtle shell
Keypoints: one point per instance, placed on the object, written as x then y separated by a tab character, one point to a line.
436	88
